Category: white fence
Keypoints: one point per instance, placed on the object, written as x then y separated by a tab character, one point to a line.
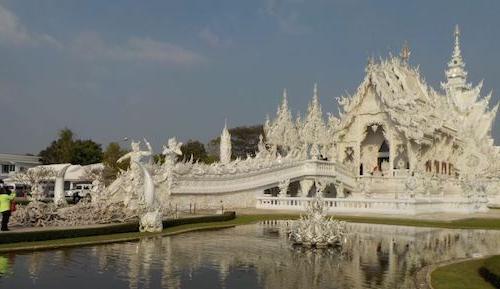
381	206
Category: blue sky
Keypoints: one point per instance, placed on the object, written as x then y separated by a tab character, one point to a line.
159	68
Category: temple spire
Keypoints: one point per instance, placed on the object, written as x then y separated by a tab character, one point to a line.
405	52
315	92
225	145
284	104
456	74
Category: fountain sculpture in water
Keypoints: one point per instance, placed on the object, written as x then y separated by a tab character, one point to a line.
315	229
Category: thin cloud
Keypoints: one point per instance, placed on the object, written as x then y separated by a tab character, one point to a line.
13	32
90	45
213	40
286	14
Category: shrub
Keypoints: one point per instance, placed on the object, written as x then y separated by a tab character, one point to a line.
53	234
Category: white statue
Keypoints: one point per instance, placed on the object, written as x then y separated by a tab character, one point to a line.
135	156
171	152
151	211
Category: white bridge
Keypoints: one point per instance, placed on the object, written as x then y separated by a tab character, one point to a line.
266	178
387	194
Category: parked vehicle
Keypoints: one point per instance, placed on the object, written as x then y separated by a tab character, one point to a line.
78	192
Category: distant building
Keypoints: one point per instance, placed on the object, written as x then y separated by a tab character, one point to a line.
13	163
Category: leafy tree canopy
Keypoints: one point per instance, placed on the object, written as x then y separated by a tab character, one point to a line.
196	149
110	157
68	150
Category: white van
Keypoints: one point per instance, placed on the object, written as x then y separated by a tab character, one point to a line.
79	191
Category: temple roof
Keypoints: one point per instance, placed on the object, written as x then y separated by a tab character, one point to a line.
409	102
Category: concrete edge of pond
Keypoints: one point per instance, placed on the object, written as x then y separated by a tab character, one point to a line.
92	240
422	278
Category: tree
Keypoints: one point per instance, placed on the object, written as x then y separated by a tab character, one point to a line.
67	150
110	157
244	141
60	150
194	148
86	152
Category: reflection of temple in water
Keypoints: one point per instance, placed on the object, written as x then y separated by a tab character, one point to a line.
375	256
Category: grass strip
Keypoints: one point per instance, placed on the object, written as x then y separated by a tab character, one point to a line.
470	223
105	239
108	229
466	274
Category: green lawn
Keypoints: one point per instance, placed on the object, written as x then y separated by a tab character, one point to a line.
465	275
472	223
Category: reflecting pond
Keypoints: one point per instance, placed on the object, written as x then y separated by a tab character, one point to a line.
250	256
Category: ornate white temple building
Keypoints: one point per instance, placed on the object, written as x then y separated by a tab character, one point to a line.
396	146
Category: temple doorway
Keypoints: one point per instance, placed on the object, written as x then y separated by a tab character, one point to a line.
375	151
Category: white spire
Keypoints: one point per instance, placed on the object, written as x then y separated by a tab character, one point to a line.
282	131
225	145
456	74
315	92
313	130
284	103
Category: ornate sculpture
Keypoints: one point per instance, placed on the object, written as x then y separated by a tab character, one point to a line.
315	229
136	155
171	151
33	178
151	211
59	197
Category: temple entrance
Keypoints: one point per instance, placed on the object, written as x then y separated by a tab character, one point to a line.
375	152
383	154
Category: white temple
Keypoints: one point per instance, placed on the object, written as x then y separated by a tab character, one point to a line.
397	146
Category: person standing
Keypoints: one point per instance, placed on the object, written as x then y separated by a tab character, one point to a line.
5	199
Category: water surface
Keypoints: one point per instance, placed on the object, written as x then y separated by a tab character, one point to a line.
250	256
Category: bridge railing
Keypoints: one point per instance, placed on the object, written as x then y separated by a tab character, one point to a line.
263	178
384	206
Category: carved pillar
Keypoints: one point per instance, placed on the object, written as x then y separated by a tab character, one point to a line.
409	154
283	186
305	186
339	187
59	198
357	158
392	149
